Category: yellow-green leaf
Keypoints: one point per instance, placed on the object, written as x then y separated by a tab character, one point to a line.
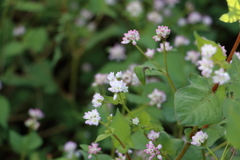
234	12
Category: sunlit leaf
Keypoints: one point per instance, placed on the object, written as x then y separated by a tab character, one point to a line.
233	14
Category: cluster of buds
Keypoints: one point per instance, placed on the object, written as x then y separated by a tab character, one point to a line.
153	151
117	84
162	33
70	150
93	149
132	36
199	138
206	65
157	97
35	115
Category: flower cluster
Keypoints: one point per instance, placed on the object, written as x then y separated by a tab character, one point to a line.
199	138
19	31
117	85
154	17
157	97
153	151
150	53
93	149
100	79
206	65
167	47
70	149
132	35
120	156
134	8
162	33
117	52
97	100
35	115
192	56
135	121
92	117
181	40
153	135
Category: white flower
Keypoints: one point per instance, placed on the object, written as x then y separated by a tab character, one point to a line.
36	113
32	123
111	2
111	77
93	149
182	22
86	14
150	53
207	20
221	77
134	8
181	40
194	17
97	100
158	4
135	121
93	117
205	65
167	47
199	138
154	17
192	56
162	33
157	97
117	52
70	146
19	30
101	79
223	50
119	75
153	135
132	35
118	86
208	50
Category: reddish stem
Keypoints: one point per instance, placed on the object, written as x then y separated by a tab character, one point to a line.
214	88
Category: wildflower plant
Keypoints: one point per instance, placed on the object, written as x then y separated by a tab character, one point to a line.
168	91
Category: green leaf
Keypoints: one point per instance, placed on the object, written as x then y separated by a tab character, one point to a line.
25	143
233	14
187	133
169	146
234	84
4	111
139	140
233	119
214	132
133	98
218	56
84	147
109	99
197	104
122	131
140	72
102	137
35	39
13	48
29	6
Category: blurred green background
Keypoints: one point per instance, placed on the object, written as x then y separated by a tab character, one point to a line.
50	51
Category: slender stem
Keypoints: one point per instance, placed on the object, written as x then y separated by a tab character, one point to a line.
123	146
180	131
159	67
218	147
224	152
212	153
125	107
187	145
233	154
214	88
166	68
203	154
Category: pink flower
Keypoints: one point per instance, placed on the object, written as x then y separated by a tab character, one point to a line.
199	138
93	149
150	53
153	135
36	113
157	97
162	33
167	47
132	35
70	146
153	151
97	100
92	117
